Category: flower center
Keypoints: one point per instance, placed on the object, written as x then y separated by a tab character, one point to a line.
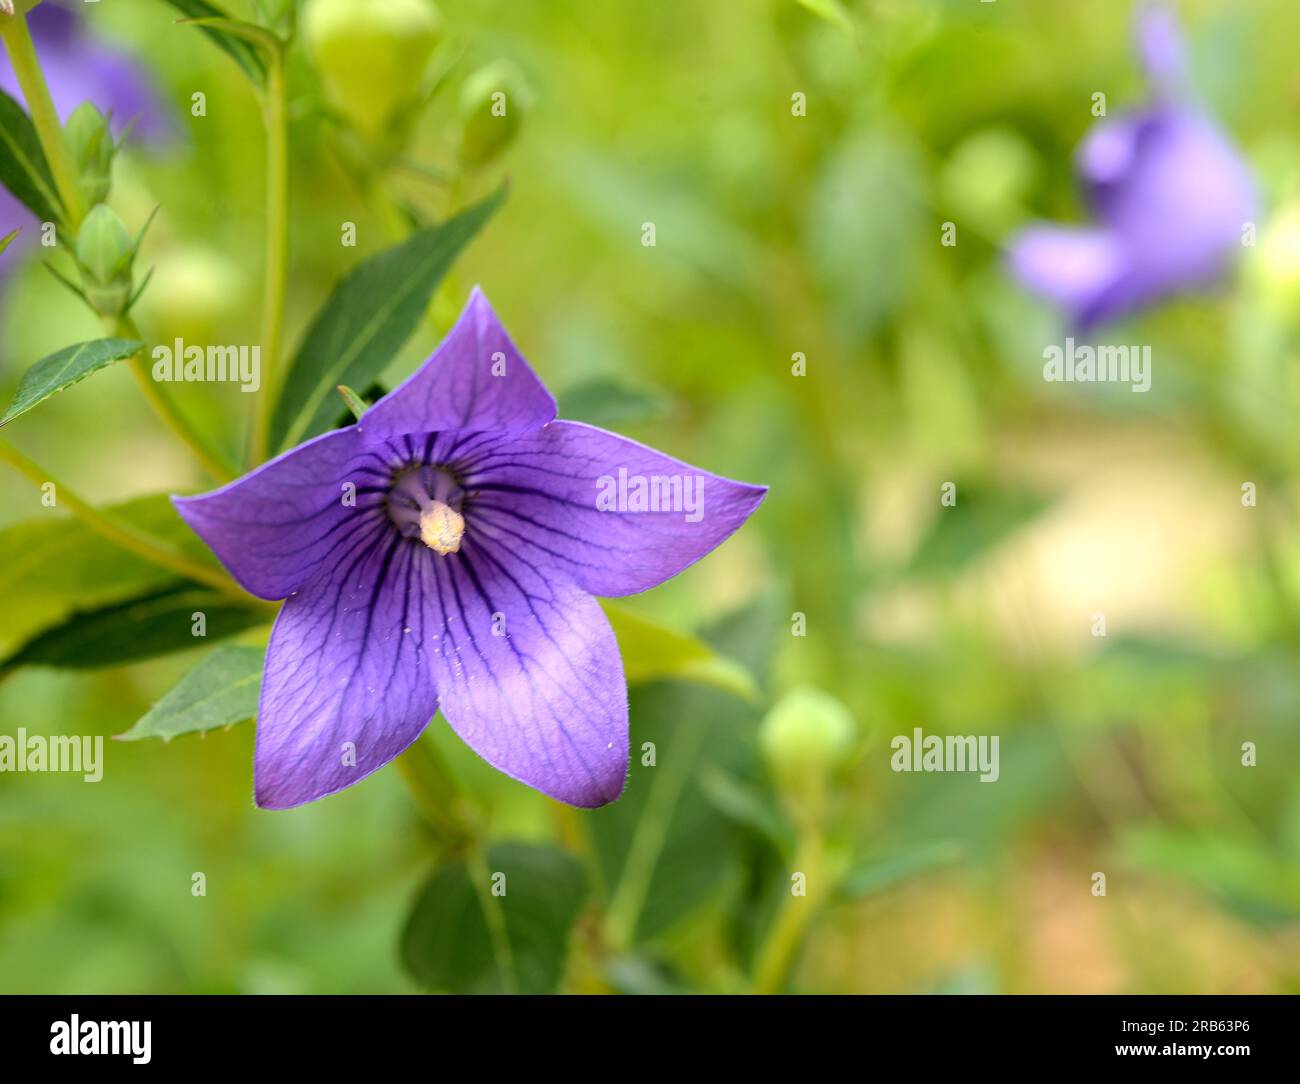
425	503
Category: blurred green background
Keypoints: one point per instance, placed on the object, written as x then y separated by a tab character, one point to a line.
775	235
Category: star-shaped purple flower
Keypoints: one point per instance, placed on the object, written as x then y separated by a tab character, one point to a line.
1169	193
443	553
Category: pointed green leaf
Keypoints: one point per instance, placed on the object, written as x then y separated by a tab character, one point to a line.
981	520
882	872
7	239
366	320
651	651
54	564
221	691
157	623
463	938
64	368
241	50
830	10
23	168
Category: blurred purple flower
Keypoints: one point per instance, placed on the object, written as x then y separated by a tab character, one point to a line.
443	553
1169	194
80	68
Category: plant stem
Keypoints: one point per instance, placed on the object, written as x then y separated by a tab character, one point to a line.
139	542
275	108
777	954
212	461
36	93
425	772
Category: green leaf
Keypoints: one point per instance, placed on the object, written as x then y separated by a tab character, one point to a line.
8	238
156	623
651	652
976	524
367	319
242	51
463	939
55	564
64	368
748	807
877	874
23	168
609	403
221	691
664	848
1257	881
830	10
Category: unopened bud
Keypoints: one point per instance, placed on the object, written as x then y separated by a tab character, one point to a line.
371	56
805	736
92	148
105	253
493	101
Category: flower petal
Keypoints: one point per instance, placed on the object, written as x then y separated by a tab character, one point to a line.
1161	48
570	498
475	380
1071	266
530	675
347	684
274	526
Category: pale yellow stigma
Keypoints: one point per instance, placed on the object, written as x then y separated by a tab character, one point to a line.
441	528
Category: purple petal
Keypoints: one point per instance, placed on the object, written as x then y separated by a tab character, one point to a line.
1181	206
1109	152
1160	47
568	499
274	526
1073	267
530	675
347	684
475	380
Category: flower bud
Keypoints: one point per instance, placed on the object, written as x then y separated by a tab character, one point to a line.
805	736
493	101
105	253
92	148
371	56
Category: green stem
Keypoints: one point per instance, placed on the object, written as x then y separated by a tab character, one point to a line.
36	93
277	247
131	538
777	953
212	461
425	773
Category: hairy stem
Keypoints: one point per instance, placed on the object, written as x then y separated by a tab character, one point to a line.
36	93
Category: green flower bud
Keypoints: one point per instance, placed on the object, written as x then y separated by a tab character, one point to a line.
92	148
805	736
105	253
371	56
493	101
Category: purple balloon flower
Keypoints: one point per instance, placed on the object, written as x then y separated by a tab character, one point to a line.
443	553
1169	193
79	68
